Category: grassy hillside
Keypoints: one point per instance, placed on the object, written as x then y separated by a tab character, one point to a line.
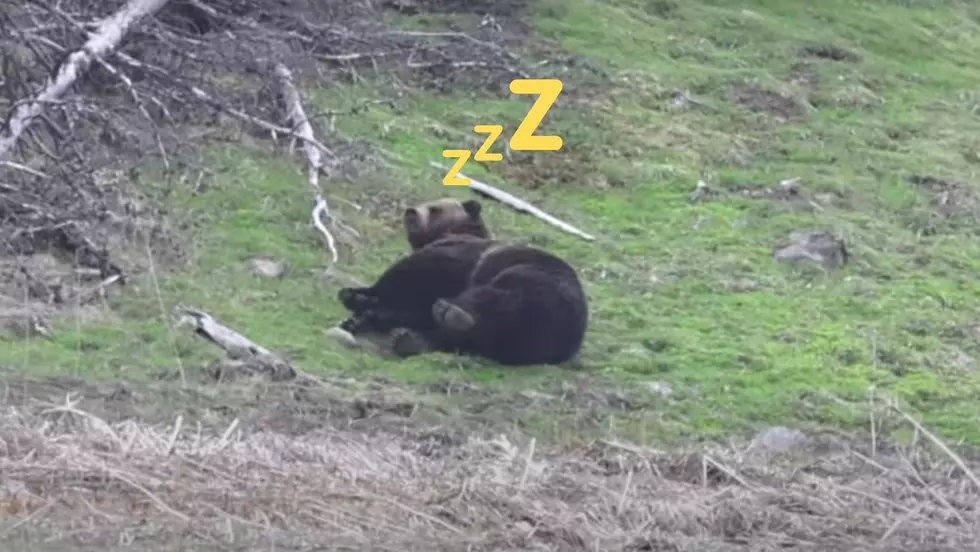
696	330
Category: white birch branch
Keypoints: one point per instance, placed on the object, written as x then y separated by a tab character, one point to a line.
297	116
104	40
517	203
238	347
235	344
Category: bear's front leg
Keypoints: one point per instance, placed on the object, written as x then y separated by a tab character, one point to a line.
377	321
407	343
354	324
357	299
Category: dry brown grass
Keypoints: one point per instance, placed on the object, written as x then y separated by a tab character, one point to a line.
74	479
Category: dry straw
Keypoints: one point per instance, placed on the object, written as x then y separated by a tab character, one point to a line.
70	477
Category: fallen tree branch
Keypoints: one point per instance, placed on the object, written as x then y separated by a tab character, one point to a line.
235	344
297	116
24	168
517	203
105	40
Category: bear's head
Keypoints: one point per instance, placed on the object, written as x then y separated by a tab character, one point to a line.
433	220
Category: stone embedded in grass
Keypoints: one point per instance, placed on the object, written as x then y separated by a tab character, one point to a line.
453	387
660	388
780	439
342	336
266	268
816	246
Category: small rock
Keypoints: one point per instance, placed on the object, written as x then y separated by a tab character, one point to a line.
523	527
660	388
533	395
454	387
342	336
815	246
266	268
779	439
791	184
825	199
741	285
701	191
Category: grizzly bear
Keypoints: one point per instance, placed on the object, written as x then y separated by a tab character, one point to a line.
461	292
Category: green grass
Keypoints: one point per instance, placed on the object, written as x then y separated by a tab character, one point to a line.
902	317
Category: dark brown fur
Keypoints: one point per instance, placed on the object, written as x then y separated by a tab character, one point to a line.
461	293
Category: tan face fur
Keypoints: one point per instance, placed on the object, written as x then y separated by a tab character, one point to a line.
428	222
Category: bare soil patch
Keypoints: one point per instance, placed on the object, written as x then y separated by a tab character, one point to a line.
949	198
828	51
533	170
953	206
776	105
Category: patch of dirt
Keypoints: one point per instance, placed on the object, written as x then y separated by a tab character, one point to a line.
776	105
663	9
497	8
577	164
557	170
828	51
804	73
950	198
954	206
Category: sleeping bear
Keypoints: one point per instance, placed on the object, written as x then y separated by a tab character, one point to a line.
460	291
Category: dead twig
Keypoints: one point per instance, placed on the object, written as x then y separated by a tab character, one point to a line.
24	168
297	116
955	458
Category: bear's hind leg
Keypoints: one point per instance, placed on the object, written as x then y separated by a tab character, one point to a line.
463	313
452	317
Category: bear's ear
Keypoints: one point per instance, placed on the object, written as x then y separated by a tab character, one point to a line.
472	208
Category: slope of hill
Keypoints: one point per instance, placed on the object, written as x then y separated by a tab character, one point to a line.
699	137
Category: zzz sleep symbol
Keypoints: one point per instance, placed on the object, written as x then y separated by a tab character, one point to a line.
523	138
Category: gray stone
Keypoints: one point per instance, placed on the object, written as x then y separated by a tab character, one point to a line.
815	246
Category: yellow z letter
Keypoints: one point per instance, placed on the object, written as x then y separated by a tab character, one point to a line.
547	91
452	177
483	154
